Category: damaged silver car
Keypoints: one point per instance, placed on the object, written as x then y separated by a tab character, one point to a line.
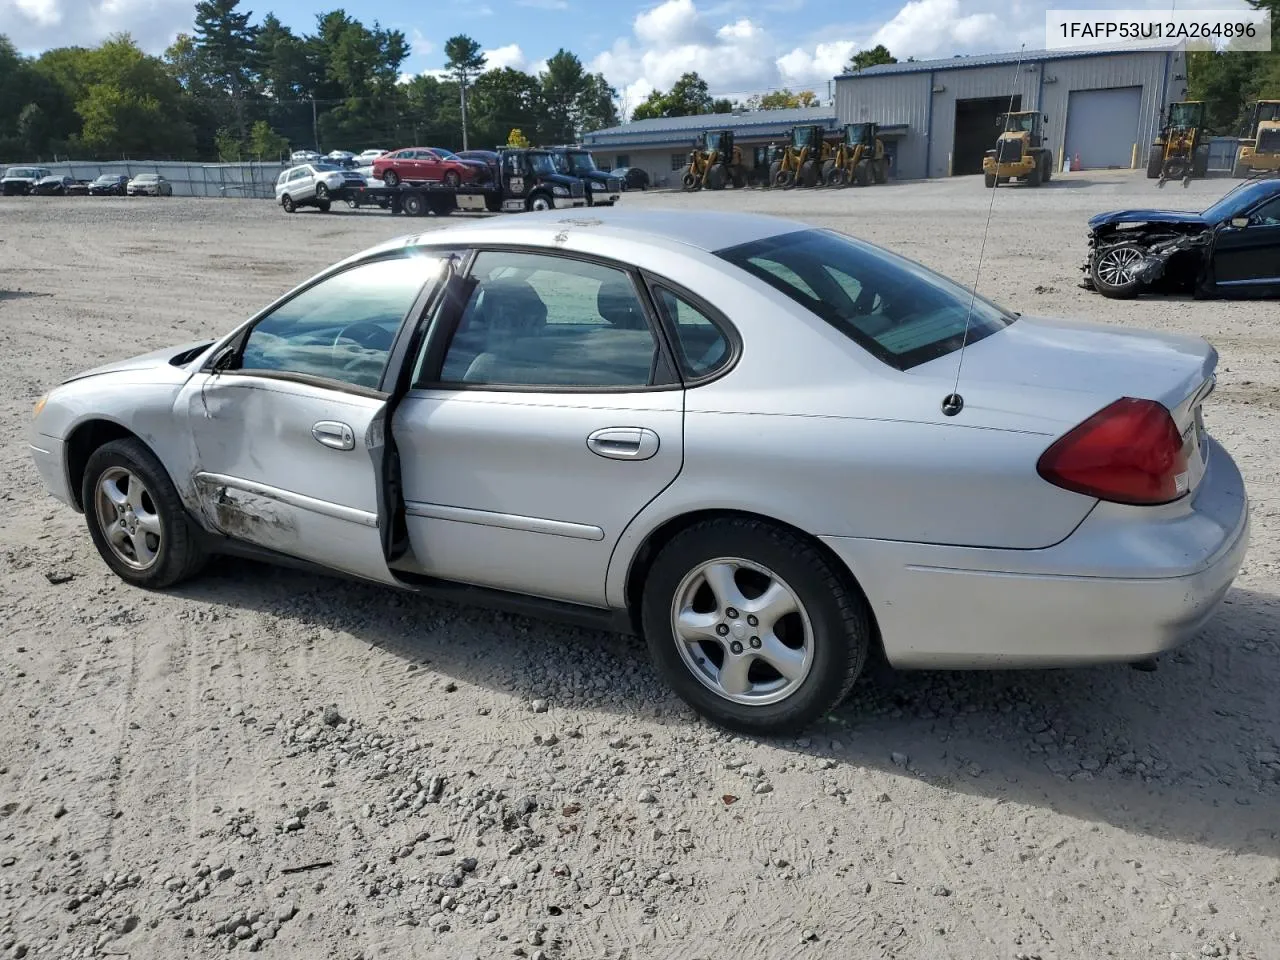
1230	249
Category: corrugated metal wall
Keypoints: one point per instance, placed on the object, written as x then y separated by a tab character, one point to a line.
890	100
907	98
970	84
1097	73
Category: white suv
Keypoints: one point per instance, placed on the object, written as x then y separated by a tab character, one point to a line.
315	185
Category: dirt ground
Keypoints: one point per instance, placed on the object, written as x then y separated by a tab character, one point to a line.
479	785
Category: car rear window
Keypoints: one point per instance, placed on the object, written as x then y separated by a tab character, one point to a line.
897	310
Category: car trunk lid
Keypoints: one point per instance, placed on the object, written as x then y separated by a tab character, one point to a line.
1049	375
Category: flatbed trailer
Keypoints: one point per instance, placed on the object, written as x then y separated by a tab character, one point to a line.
416	199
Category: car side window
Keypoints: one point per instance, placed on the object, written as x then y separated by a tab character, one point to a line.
703	347
1267	215
342	328
536	320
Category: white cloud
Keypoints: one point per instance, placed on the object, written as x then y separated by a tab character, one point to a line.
38	25
419	45
924	28
509	56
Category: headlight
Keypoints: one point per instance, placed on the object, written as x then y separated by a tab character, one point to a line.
560	191
40	405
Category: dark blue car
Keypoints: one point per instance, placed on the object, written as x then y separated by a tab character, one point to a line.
1232	249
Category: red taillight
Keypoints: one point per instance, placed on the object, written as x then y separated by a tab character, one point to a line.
1129	452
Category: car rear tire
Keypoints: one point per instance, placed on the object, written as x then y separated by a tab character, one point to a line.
1109	270
452	180
136	518
862	173
391	178
322	192
287	202
809	173
728	602
323	205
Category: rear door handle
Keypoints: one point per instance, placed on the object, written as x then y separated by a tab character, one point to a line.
624	443
333	434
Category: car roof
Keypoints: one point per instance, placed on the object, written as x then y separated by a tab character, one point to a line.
705	230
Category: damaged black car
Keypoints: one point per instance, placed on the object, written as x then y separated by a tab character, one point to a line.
1232	249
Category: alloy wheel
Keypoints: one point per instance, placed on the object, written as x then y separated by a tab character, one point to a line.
1119	265
742	631
128	518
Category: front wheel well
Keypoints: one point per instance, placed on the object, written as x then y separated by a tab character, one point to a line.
85	439
660	537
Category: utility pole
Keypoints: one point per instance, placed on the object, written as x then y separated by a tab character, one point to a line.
462	90
315	127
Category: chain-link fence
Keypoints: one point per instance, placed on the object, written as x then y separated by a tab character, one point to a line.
256	180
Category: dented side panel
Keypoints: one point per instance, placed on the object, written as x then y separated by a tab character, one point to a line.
272	465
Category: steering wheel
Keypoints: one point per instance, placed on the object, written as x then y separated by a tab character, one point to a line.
364	332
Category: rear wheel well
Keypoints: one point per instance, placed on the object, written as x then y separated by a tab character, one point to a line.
663	535
85	439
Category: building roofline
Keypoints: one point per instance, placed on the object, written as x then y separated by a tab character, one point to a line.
979	61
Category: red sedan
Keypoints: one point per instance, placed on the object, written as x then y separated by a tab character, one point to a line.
428	163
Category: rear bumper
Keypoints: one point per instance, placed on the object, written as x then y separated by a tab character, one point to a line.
50	460
1126	585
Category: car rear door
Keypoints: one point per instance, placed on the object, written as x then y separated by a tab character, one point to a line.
537	426
287	423
1249	257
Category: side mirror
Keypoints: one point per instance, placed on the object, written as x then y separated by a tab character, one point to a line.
1239	222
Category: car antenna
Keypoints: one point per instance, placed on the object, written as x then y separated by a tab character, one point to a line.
953	403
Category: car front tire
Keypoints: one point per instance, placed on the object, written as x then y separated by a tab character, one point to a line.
136	518
753	626
1109	269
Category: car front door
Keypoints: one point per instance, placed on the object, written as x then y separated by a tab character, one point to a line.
537	427
288	422
429	166
1249	256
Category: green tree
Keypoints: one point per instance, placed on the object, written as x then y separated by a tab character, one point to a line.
463	60
597	104
131	105
687	97
870	58
228	145
36	115
722	105
225	41
265	143
501	100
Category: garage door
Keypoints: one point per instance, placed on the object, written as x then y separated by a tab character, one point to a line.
1102	127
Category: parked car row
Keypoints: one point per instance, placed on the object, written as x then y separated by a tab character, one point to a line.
42	182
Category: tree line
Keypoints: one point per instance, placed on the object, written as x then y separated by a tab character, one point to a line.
1228	82
235	89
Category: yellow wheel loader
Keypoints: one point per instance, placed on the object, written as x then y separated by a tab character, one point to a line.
801	162
1260	141
715	164
1179	153
1021	151
858	157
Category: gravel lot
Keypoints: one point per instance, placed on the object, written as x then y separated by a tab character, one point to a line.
465	784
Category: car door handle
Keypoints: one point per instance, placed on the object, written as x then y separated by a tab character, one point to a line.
624	443
333	434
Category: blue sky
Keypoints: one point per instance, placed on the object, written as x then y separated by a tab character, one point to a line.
739	46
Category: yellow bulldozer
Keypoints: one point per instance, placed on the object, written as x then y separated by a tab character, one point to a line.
1179	153
1021	151
801	162
715	162
1260	140
858	157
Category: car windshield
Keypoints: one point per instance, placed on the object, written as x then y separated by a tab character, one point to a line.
105	178
543	163
327	166
581	162
1241	198
899	311
146	177
447	154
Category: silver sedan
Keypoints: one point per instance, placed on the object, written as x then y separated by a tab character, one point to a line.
770	449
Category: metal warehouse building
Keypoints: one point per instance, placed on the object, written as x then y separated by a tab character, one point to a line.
661	146
1103	106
